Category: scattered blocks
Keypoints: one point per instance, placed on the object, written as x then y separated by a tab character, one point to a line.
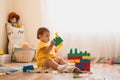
81	59
29	67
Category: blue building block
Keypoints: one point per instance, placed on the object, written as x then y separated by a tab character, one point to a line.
29	67
13	70
80	67
84	60
116	62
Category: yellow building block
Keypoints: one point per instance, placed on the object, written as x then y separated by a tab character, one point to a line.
1	51
56	34
77	60
85	57
2	74
58	47
72	61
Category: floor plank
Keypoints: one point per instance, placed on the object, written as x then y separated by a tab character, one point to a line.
100	72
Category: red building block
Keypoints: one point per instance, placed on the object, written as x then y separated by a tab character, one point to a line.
74	57
87	66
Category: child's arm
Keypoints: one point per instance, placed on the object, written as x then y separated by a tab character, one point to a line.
49	48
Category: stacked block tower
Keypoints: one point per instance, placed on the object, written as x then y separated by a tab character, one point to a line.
81	59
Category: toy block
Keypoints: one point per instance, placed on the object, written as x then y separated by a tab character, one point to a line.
1	51
56	34
76	76
58	47
81	59
84	60
80	67
85	53
80	54
13	70
2	74
75	51
82	63
77	60
85	57
70	54
88	54
84	69
74	57
72	61
111	62
116	62
57	39
87	68
29	67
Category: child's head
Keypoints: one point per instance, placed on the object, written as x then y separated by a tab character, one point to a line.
43	34
13	17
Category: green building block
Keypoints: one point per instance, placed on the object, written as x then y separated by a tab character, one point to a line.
76	52
71	53
80	54
58	40
76	76
88	54
85	53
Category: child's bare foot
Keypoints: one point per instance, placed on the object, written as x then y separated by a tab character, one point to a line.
77	70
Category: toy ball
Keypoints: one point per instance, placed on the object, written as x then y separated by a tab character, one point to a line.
25	45
110	62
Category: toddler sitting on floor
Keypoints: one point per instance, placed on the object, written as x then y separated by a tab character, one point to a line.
46	54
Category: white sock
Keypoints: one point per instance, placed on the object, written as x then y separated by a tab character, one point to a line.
61	67
69	69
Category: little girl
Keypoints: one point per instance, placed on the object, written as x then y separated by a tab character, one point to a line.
46	54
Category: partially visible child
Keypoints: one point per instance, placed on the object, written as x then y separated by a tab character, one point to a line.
13	19
46	56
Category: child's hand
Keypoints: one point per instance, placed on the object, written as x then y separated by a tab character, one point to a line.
52	43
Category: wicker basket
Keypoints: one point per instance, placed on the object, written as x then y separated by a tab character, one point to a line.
24	54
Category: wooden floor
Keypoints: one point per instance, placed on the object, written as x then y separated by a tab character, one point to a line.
100	72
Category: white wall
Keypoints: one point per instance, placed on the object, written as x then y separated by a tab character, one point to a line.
5	7
31	17
30	12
